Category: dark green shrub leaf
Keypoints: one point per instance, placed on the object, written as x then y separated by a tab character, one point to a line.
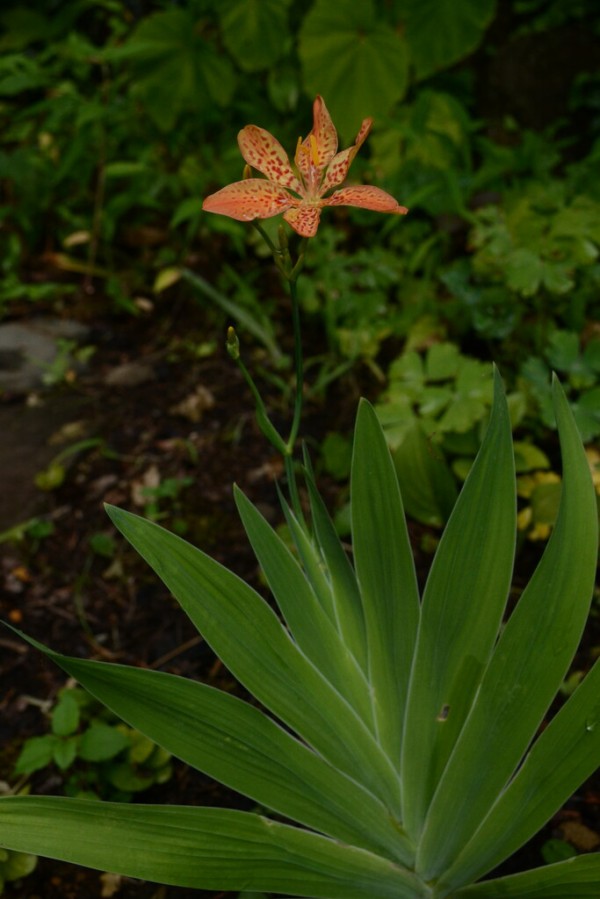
36	754
101	742
357	62
65	716
176	69
64	752
255	31
440	32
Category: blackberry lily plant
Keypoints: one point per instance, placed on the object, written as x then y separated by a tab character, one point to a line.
404	751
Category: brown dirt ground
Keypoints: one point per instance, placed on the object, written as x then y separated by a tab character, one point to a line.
58	590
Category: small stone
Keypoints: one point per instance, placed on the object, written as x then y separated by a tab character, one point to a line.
130	374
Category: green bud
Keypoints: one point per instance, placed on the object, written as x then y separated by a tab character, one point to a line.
233	344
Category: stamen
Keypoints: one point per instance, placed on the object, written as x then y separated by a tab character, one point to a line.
314	149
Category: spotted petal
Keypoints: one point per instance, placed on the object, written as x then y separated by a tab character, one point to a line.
304	219
264	152
254	198
367	197
341	162
318	149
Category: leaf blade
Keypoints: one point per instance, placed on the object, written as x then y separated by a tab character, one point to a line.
311	627
219	849
474	560
521	679
386	576
239	746
346	595
246	634
565	754
575	878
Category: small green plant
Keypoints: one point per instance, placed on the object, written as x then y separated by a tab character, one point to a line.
166	492
433	412
97	755
63	368
535	261
579	368
14	866
52	477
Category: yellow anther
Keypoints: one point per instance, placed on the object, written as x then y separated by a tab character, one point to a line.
314	149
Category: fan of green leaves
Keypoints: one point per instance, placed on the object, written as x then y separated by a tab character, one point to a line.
406	749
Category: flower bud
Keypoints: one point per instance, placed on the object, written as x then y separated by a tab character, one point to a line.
233	344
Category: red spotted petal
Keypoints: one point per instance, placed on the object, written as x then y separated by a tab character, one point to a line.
341	162
263	152
253	198
367	197
304	219
314	156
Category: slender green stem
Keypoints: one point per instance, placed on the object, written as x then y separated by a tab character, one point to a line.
290	473
258	227
264	422
290	272
298	368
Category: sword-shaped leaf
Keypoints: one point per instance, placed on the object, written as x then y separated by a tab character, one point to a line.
247	635
311	627
526	670
238	745
575	878
386	576
463	602
213	849
566	754
346	595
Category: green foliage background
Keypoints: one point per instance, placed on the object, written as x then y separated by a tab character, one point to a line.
119	116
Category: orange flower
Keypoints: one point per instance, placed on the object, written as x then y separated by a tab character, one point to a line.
320	168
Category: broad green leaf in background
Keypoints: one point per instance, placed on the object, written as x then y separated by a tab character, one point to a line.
213	849
255	31
529	664
176	68
356	61
462	608
440	32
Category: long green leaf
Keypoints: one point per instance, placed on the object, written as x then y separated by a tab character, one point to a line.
463	602
526	670
247	635
262	330
386	576
346	595
238	745
575	878
312	629
216	849
312	563
566	753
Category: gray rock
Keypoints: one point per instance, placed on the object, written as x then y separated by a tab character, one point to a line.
29	348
